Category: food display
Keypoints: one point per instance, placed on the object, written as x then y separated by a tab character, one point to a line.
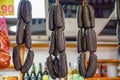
86	40
68	51
23	36
4	44
57	65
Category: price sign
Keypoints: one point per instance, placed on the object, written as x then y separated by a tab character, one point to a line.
6	7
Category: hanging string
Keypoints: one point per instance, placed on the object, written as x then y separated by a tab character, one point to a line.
84	2
57	2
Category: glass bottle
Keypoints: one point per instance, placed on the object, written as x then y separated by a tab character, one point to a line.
33	73
75	72
39	74
45	73
70	75
26	76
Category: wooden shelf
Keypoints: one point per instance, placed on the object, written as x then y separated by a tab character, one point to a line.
107	61
12	44
116	78
11	66
69	45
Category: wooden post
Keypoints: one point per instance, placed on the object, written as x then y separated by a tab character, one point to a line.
22	48
86	60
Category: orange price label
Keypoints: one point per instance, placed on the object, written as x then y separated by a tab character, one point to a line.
6	7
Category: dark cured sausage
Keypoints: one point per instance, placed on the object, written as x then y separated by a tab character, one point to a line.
81	64
80	17
60	40
26	11
52	43
63	18
20	32
92	16
92	67
91	40
84	41
16	58
79	40
19	9
86	17
50	67
28	41
28	62
63	64
58	16
51	19
56	66
56	52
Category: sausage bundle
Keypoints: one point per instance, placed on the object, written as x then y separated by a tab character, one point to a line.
86	40
57	62
23	36
117	5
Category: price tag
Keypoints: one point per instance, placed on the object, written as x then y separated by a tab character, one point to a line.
6	7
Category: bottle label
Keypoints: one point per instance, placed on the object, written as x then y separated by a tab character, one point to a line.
75	76
33	78
26	78
45	77
39	77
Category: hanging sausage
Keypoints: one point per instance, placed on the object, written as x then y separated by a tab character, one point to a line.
57	65
86	39
23	36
